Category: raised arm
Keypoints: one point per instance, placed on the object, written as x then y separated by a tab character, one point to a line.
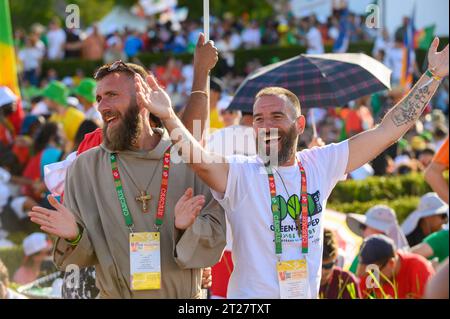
367	145
197	108
211	168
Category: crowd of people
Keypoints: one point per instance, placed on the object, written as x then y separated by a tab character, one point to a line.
68	116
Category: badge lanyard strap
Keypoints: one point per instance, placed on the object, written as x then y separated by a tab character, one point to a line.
277	213
121	195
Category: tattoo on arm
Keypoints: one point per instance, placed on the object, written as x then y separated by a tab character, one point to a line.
410	109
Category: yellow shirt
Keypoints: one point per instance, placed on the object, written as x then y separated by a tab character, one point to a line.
71	121
215	120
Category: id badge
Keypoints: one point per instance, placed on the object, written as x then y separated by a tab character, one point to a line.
145	261
293	279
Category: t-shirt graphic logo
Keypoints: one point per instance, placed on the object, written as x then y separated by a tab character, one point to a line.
293	208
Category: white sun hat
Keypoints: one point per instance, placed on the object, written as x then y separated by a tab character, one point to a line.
430	204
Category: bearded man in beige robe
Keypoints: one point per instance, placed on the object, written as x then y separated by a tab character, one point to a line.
92	210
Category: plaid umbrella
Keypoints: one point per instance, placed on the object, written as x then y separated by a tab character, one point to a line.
322	80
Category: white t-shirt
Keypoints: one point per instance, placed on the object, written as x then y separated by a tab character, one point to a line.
30	57
251	36
56	41
247	206
315	45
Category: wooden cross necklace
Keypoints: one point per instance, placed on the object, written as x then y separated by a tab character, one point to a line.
143	197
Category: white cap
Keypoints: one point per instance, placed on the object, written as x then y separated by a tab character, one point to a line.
35	243
6	96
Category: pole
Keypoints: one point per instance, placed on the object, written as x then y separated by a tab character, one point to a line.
206	32
313	122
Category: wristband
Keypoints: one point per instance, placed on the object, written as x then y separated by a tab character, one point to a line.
432	75
76	240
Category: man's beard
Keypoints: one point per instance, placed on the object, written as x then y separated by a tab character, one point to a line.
126	132
288	146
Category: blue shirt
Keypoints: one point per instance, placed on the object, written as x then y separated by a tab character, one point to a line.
132	45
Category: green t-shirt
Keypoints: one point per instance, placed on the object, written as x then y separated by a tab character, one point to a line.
439	243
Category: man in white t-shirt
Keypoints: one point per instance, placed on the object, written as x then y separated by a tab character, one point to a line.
313	37
56	40
242	185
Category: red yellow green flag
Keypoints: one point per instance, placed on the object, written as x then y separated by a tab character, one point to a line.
424	37
8	70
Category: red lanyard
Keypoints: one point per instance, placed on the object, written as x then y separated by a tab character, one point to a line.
303	226
162	194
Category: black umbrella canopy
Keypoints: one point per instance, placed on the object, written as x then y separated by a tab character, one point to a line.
322	80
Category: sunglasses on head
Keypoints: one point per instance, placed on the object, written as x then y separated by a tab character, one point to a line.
119	64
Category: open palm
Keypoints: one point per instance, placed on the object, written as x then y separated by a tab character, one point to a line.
60	222
187	209
438	61
151	96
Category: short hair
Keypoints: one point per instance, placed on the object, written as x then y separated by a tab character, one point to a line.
4	275
279	91
428	150
103	71
330	249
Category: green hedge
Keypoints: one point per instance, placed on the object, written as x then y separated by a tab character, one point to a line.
378	188
12	258
402	206
265	54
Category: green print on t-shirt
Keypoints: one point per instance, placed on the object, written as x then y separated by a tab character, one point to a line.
293	208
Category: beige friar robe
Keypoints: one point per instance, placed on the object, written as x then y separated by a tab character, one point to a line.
91	195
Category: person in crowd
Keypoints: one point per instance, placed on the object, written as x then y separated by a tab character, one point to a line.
379	219
37	248
396	274
437	286
48	148
56	38
429	217
335	283
93	47
85	93
56	94
5	291
434	172
230	179
434	246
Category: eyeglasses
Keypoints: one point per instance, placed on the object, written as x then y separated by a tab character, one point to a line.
362	227
328	266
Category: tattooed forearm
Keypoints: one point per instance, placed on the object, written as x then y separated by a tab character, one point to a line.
410	109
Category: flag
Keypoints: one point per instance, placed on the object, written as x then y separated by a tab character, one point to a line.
408	50
8	74
8	66
343	39
152	7
424	37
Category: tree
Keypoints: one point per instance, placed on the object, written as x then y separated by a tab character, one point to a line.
26	12
257	9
